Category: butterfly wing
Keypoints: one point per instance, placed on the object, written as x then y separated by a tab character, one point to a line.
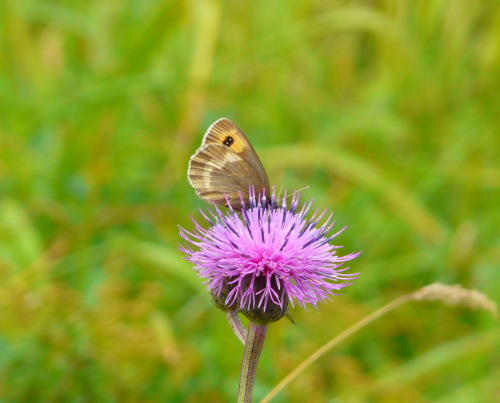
225	132
226	165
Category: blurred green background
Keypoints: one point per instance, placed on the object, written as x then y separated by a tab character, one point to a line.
388	109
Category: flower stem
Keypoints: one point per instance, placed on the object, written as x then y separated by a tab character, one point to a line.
253	347
235	323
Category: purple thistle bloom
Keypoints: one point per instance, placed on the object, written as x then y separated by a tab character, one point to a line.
267	255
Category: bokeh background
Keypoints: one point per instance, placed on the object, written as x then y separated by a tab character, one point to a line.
388	110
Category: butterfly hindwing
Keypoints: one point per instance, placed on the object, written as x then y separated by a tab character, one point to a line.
216	172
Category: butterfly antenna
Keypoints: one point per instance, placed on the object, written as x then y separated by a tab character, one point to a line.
298	190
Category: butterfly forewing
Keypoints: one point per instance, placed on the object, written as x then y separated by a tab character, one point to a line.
226	165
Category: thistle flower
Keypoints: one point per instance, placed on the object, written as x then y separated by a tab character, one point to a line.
267	255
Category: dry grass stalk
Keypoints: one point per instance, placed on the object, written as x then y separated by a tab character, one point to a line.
456	295
448	294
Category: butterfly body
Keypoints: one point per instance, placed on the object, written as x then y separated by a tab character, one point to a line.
226	166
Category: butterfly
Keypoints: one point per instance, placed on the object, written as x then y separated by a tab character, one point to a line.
226	166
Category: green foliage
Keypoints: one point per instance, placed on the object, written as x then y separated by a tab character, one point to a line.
387	109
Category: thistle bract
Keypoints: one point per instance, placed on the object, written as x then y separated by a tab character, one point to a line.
267	255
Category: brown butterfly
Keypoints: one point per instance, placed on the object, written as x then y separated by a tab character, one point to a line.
226	165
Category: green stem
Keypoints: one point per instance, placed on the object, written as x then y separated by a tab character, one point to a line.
253	347
235	323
